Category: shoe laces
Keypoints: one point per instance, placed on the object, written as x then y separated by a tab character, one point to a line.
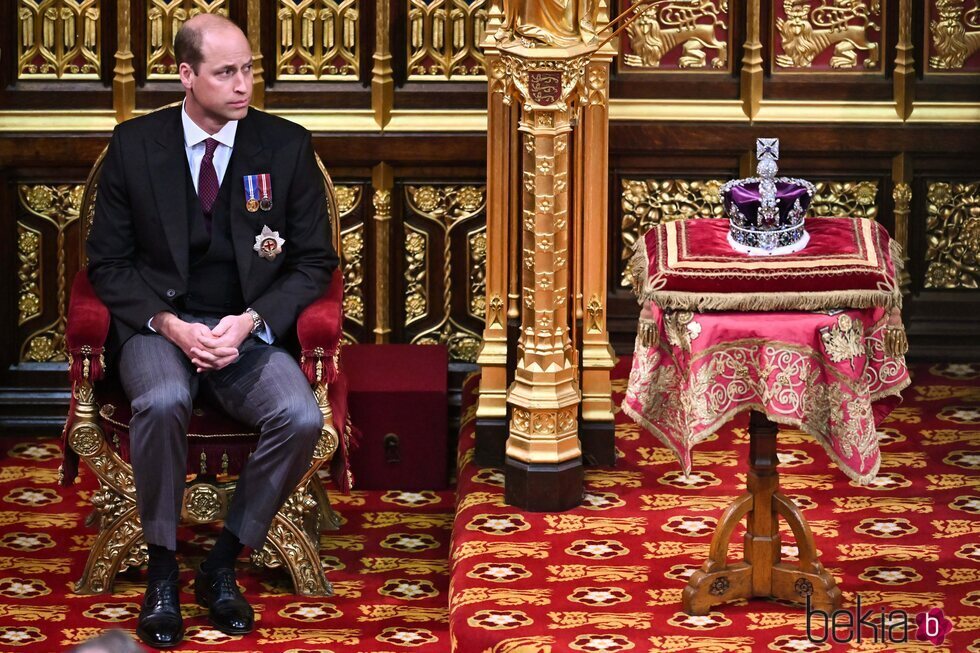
161	594
225	583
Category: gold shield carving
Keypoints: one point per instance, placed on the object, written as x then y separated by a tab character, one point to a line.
544	86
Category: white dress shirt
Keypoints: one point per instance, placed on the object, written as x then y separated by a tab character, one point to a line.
194	147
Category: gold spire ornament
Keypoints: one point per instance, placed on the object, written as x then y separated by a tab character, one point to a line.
551	59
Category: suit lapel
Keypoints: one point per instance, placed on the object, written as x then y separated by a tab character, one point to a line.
248	157
168	161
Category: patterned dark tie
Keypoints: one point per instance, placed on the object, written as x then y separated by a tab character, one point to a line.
207	182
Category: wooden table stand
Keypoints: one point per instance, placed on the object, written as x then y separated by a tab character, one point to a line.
762	573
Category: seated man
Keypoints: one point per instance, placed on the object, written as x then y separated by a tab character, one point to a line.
203	268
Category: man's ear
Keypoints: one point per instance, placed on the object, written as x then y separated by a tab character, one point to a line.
187	75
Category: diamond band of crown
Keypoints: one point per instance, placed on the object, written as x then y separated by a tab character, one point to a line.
766	213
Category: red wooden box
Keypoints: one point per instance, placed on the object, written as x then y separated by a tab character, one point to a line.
398	400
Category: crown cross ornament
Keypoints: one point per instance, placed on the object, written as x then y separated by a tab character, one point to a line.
766	213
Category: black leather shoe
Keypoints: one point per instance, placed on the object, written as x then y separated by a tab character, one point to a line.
228	610
160	624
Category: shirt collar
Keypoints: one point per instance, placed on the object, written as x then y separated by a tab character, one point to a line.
194	134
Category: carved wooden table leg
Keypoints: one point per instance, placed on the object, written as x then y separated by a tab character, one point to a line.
762	573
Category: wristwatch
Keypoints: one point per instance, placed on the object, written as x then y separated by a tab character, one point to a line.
257	321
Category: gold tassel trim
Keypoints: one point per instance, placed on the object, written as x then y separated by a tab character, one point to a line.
896	342
648	333
639	266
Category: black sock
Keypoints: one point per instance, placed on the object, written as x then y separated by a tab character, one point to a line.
162	564
225	551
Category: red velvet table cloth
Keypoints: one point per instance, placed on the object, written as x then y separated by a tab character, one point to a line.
825	373
834	374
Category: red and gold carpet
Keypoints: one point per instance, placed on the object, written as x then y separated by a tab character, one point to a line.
608	576
603	578
388	565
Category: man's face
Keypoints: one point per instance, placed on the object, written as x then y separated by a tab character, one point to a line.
221	89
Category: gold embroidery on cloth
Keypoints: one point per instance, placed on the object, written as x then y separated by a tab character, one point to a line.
844	341
789	383
675	325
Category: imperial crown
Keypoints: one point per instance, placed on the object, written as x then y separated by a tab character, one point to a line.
766	213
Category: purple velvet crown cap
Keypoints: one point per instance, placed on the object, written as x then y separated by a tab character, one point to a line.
766	213
747	199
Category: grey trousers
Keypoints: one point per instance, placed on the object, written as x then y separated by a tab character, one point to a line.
264	389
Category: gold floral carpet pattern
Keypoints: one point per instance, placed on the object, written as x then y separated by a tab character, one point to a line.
608	576
603	578
387	563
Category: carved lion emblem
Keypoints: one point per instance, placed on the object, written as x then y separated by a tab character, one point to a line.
845	28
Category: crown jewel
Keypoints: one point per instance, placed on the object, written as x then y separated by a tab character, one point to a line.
766	213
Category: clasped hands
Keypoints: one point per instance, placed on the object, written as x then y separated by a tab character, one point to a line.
208	349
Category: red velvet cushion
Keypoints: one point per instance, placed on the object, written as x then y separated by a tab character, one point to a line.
689	265
211	433
319	330
87	327
224	442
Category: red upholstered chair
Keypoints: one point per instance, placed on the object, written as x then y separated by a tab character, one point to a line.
97	432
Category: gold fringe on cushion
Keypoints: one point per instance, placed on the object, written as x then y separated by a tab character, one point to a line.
898	260
771	301
649	289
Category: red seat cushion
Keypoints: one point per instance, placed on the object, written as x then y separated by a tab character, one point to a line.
217	444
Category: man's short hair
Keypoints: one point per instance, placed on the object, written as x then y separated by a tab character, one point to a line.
187	43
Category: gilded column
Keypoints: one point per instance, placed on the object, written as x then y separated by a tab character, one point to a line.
123	80
904	82
491	410
382	79
752	61
902	196
543	470
383	181
255	40
598	357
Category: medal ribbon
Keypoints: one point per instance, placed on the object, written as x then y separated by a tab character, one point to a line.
265	186
250	187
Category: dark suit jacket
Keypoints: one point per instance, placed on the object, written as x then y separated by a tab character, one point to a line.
138	247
